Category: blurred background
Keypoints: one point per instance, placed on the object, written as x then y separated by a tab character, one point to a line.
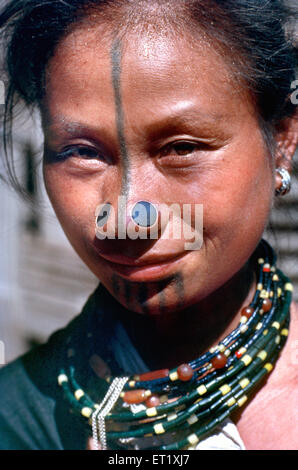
43	283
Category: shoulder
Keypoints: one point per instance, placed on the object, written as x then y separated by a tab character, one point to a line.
294	309
29	396
27	403
270	420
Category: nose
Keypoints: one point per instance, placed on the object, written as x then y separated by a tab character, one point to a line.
136	219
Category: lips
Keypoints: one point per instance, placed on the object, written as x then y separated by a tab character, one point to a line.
145	269
148	261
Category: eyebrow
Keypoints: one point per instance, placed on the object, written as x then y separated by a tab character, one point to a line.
69	127
189	117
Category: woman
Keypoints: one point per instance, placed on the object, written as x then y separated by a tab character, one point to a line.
146	105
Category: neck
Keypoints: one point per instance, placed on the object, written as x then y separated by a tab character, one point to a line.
168	340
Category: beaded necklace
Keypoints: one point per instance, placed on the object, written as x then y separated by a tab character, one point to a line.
178	407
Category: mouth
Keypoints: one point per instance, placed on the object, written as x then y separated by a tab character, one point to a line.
142	270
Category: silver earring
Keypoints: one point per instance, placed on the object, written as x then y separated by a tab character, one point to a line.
285	185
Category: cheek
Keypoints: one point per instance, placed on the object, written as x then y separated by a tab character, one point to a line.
74	203
238	200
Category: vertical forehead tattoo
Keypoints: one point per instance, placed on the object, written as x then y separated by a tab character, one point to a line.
116	56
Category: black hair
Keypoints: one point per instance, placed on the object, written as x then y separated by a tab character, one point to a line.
258	34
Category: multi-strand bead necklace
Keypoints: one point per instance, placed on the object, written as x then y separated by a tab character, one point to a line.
178	407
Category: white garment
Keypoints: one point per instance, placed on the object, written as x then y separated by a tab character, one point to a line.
225	437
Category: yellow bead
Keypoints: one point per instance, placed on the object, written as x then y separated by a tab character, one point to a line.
201	389
193	439
289	287
268	367
192	419
171	416
246	359
79	394
62	378
264	294
242	400
225	389
158	428
284	332
242	351
151	412
262	355
243	383
231	401
276	325
243	328
173	376
86	412
277	339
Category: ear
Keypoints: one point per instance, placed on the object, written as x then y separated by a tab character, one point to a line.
286	138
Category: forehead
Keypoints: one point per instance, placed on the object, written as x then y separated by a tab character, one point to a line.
158	70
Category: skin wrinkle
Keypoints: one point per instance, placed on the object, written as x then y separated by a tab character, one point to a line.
116	55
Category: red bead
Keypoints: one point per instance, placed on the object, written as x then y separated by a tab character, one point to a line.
266	269
238	354
185	372
152	401
219	361
266	305
156	374
247	312
134	396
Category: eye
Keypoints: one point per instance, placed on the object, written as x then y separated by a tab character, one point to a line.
81	152
180	148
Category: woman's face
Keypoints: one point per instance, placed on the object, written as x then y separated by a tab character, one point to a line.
158	119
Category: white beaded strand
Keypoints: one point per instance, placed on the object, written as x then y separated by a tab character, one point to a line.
98	416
